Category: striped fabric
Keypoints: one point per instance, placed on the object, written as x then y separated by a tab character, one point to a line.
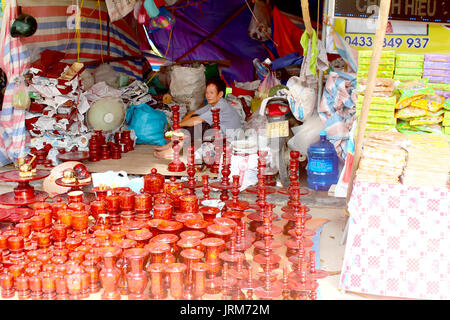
2	5
52	17
53	34
337	109
13	135
155	61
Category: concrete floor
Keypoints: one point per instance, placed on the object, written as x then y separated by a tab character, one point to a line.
332	253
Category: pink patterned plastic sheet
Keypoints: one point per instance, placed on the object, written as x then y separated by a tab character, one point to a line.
398	242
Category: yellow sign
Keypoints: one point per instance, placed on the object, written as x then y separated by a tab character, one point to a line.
401	36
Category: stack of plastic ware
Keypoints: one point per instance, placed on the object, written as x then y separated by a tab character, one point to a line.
428	161
436	68
383	158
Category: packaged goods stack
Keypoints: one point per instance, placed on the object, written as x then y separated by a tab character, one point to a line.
441	89
436	68
419	109
382	107
384	87
383	158
428	161
381	113
385	68
446	122
408	66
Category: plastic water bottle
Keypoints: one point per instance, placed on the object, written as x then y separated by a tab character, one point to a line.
261	69
323	170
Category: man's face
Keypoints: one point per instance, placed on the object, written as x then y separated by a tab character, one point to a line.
212	96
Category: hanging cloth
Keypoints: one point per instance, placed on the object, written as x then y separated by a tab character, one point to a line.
117	9
314	59
306	41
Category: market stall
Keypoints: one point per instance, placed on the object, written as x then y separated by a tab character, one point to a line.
102	71
98	96
88	107
396	177
110	54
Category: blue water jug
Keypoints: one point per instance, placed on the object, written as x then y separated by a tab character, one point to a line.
323	170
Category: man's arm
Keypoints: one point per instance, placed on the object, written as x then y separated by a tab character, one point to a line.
191	121
188	116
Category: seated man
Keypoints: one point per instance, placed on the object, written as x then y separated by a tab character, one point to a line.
201	119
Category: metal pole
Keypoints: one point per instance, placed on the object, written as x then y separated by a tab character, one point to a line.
108	35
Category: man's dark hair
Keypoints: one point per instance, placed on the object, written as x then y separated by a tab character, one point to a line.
219	83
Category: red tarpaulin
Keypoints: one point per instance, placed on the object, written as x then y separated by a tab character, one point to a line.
286	34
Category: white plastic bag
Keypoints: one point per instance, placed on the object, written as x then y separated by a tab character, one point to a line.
250	85
114	179
246	166
247	169
306	134
136	184
302	100
256	128
87	79
106	73
257	122
214	203
188	85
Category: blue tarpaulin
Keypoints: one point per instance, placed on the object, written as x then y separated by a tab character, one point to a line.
288	60
232	43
